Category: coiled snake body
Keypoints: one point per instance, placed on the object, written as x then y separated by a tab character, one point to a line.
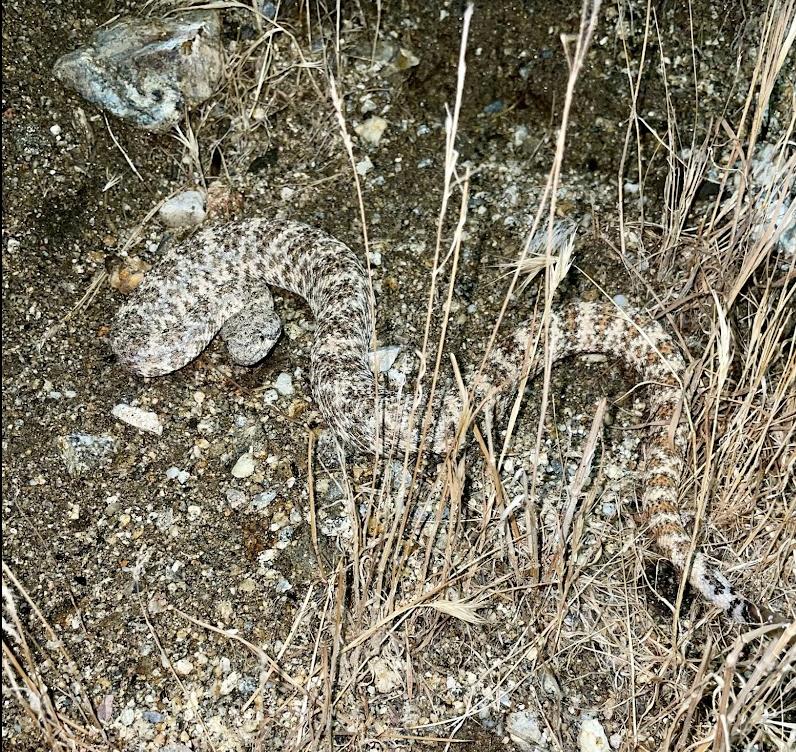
217	281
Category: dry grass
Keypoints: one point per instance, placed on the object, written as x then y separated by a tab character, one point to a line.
435	565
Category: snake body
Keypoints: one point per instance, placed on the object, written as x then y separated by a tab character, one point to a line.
218	278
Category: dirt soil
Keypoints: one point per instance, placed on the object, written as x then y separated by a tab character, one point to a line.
121	554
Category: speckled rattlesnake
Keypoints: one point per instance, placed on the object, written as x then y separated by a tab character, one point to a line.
217	280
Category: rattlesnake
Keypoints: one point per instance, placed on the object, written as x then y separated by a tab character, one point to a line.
217	280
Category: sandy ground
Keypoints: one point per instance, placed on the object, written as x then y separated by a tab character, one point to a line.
108	554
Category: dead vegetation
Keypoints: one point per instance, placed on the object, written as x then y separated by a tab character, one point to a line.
461	579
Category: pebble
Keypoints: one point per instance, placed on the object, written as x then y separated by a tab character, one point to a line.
183	667
235	497
181	476
520	135
592	737
382	360
284	384
262	500
127	716
385	678
144	420
372	129
147	70
248	585
186	209
268	10
83	452
405	60
494	107
524	729
55	130
152	716
244	467
364	166
621	301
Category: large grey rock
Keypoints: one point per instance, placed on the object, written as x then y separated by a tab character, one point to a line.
147	69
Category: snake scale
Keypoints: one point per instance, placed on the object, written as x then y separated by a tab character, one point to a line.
217	281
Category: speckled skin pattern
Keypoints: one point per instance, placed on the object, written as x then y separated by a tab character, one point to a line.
220	273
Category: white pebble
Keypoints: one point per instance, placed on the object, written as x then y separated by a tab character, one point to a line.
382	360
55	129
372	129
174	473
186	209
284	384
262	500
621	301
364	167
396	377
244	467
592	737
524	729
183	667
144	420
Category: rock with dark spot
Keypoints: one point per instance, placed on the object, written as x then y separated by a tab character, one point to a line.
148	70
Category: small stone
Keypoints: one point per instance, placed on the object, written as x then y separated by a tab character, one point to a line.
152	716
144	420
405	60
235	497
83	453
186	209
382	360
127	716
55	130
385	679
494	107
284	384
621	301
268	10
105	708
181	476
183	667
364	166
372	129
282	585
244	467
125	274
592	737
262	500
248	586
520	135
524	729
